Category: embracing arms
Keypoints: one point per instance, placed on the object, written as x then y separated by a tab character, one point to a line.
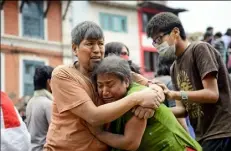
130	140
70	96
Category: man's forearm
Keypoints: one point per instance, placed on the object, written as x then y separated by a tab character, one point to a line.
200	96
104	113
111	111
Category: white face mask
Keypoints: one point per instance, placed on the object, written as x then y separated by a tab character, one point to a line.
164	47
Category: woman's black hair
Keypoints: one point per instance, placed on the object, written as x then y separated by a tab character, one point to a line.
116	49
113	65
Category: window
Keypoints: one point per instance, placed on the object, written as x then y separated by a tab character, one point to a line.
114	23
145	19
28	75
32	19
150	61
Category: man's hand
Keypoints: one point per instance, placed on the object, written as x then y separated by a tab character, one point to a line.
141	112
168	93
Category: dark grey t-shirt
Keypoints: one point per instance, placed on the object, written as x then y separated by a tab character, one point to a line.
38	113
211	121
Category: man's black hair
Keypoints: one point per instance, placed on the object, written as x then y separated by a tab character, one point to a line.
164	22
229	70
218	34
113	64
209	28
228	32
41	75
86	30
207	35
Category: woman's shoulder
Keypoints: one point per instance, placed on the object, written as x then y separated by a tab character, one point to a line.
135	87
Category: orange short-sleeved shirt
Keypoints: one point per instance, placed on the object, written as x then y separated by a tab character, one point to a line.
68	132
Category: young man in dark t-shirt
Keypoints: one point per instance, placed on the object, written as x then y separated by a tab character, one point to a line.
200	79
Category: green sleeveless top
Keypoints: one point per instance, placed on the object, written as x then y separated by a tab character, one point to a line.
162	133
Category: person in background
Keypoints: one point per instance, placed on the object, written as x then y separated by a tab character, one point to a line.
218	43
229	58
21	106
227	41
227	38
209	30
208	37
38	110
121	50
14	134
200	80
163	75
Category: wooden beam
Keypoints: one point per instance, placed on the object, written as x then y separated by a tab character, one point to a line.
48	7
22	4
65	13
2	3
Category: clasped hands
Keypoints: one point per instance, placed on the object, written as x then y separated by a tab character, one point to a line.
159	90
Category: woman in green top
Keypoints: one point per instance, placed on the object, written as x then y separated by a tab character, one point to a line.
162	132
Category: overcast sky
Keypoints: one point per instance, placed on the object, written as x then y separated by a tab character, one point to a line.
202	14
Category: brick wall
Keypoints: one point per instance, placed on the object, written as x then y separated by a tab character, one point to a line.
12	77
13	53
54	21
11	17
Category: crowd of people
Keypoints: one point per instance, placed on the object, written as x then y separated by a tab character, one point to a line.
222	43
102	102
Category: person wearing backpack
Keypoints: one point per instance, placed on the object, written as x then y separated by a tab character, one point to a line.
200	80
